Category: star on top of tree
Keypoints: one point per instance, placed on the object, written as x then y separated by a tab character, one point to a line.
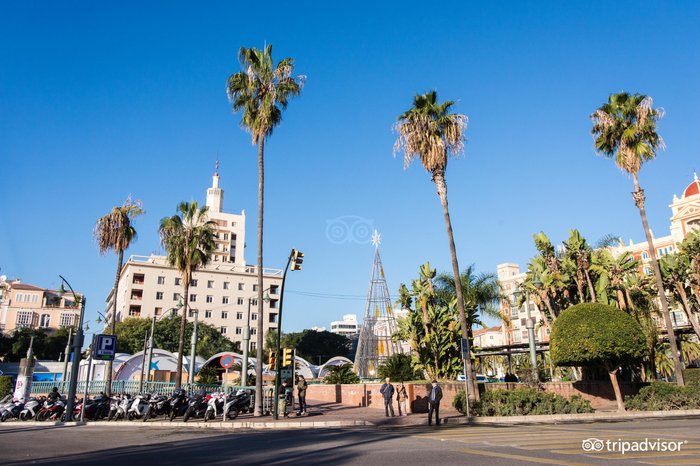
376	238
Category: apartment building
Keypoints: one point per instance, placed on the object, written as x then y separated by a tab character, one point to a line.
223	294
29	306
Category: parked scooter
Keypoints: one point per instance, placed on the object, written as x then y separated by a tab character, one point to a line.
95	409
139	409
215	406
197	406
12	411
160	406
178	403
119	407
238	403
51	410
31	408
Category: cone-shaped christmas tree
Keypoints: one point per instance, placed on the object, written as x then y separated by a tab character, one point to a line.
379	324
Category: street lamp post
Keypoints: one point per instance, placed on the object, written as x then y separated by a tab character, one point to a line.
193	345
66	356
77	347
246	346
530	325
151	338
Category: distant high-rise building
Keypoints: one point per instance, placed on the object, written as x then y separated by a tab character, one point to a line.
223	294
348	326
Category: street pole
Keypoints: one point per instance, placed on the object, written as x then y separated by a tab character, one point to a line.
143	360
278	357
193	352
66	357
246	345
530	325
150	347
87	378
75	363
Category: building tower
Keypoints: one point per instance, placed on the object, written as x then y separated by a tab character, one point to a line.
375	344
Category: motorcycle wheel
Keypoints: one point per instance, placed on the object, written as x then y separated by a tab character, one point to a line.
172	415
187	415
232	413
209	415
131	416
146	416
41	416
23	417
3	418
110	416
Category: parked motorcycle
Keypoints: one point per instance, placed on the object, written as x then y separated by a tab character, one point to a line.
12	411
197	406
119	407
95	409
178	403
215	406
51	410
139	408
241	402
31	408
160	406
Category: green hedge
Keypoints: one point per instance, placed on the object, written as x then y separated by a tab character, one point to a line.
664	396
522	402
691	375
6	385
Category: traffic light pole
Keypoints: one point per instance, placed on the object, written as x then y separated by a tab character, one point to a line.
275	402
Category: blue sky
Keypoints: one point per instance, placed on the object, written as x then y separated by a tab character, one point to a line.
99	101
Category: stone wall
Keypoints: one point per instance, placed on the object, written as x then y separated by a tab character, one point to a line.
600	394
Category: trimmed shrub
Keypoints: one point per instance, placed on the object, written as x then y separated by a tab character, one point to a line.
6	385
522	402
691	375
664	396
398	367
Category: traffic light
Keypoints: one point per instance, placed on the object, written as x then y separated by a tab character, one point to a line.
271	359
297	259
287	357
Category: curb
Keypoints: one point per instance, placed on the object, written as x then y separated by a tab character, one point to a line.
201	425
571	418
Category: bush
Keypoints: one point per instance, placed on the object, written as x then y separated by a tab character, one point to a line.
6	385
691	375
664	396
341	375
522	402
398	368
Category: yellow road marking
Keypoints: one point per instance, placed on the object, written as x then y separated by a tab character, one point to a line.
531	459
674	461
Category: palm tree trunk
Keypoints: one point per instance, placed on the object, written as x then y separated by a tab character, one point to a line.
687	309
630	304
590	285
579	287
621	300
183	322
439	180
616	388
638	196
113	325
548	303
260	321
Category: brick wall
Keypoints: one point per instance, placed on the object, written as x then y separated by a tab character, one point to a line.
600	394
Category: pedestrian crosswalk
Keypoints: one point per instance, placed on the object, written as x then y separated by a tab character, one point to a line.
571	444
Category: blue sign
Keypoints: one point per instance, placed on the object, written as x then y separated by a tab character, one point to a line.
105	347
226	361
465	349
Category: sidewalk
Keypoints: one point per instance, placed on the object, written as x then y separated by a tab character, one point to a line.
333	415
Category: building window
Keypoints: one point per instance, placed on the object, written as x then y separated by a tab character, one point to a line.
241	287
45	321
176	296
138	279
210	284
227	285
253	316
207	314
253	331
135	311
210	299
193	282
274	303
274	289
224	314
225	236
159	295
158	311
239	330
67	320
161	280
645	255
255	287
273	320
254	302
193	298
647	271
224	300
177	281
239	315
191	313
223	330
252	346
240	301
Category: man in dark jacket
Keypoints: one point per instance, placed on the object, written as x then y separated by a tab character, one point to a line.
434	403
387	391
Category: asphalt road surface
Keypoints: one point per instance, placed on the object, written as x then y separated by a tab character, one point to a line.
471	445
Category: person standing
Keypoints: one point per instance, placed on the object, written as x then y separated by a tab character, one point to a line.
387	391
434	403
301	393
401	398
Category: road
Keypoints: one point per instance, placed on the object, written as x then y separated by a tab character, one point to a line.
471	445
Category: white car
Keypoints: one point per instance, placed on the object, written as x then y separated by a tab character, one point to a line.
479	378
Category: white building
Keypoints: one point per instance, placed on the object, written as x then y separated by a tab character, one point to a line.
222	293
348	326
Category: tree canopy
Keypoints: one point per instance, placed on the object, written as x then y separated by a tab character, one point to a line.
47	345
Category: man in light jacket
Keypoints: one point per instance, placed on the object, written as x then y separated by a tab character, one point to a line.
387	391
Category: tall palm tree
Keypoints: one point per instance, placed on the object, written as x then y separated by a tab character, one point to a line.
624	129
579	253
261	90
675	272
114	231
188	238
429	131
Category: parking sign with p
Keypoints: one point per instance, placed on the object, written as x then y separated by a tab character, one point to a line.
106	347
